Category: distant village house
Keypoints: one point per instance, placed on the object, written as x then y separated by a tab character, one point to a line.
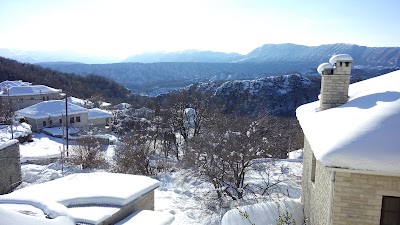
21	94
52	114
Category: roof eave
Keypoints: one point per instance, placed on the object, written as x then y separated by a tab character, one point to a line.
366	172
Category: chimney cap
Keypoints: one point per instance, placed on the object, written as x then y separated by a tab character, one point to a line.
324	66
340	57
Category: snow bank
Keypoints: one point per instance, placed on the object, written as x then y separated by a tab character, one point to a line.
148	217
18	130
264	213
42	147
361	134
9	217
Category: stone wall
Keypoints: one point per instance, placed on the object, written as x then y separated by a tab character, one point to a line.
146	202
315	195
358	197
334	90
10	168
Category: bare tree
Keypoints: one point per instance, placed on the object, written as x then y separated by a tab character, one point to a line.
134	155
225	153
88	154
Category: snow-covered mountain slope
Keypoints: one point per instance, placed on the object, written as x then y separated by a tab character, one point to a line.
269	95
362	55
184	56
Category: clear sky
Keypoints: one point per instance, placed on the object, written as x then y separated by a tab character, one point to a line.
120	28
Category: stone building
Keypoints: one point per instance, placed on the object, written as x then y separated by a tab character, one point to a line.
10	168
351	171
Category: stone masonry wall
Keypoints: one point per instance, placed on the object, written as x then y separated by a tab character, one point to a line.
358	197
315	195
334	90
145	202
10	168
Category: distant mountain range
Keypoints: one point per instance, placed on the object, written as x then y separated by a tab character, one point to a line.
185	56
362	55
154	73
366	56
371	56
52	56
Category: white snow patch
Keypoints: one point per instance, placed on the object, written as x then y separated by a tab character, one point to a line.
264	213
10	217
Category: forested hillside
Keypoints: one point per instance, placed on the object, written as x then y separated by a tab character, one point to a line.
84	87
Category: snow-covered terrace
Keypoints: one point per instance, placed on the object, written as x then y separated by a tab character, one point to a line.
85	198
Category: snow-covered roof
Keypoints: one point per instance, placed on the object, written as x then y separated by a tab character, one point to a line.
56	198
105	104
122	105
264	213
99	113
362	134
324	66
80	102
13	83
29	90
340	57
50	108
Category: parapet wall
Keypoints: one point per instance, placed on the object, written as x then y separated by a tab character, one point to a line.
10	168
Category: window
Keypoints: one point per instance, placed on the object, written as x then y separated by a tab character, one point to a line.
44	123
72	120
313	165
48	98
60	121
51	122
78	119
347	64
341	64
44	99
32	98
390	213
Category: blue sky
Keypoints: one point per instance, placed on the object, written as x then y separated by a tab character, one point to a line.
125	27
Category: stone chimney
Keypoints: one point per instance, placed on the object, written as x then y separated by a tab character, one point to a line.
335	81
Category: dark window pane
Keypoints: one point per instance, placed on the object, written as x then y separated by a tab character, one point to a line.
390	214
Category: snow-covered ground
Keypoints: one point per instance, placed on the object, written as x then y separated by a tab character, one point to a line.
179	193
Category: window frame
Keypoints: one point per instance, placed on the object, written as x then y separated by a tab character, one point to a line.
313	167
396	211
